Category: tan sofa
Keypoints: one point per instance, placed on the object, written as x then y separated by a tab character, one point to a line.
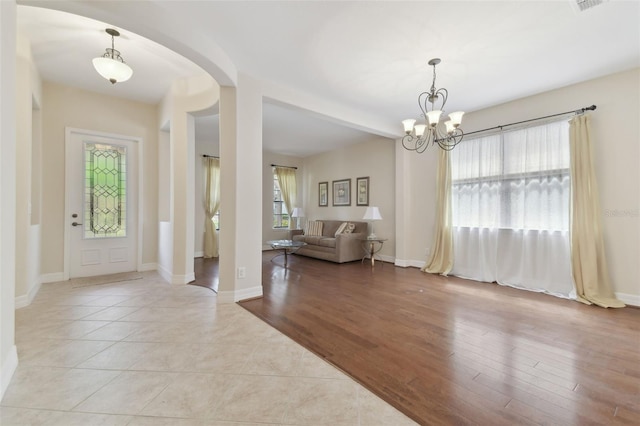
341	248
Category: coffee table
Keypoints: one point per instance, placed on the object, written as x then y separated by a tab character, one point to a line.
287	247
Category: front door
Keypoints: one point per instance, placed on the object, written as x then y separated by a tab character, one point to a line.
101	206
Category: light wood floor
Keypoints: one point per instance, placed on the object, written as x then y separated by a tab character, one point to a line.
450	351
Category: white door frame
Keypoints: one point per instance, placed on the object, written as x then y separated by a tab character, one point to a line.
69	186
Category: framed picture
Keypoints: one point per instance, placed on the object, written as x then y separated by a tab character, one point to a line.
362	191
323	194
342	192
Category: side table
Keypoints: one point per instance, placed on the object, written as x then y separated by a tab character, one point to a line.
371	247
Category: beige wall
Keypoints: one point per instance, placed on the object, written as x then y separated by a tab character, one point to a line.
269	158
64	106
376	159
616	136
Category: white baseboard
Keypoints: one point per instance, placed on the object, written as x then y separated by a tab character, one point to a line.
386	258
403	263
182	279
236	296
52	277
26	299
198	254
148	267
629	299
8	368
164	273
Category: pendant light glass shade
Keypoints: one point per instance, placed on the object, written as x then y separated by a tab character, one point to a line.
112	69
111	65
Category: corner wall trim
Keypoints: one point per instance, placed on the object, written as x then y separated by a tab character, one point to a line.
52	277
182	279
8	368
148	267
403	263
164	273
629	299
236	296
26	299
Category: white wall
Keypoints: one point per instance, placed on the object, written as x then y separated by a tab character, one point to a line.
64	106
8	353
616	132
28	96
269	158
375	159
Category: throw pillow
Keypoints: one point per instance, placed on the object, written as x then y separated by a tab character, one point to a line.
350	228
341	228
314	228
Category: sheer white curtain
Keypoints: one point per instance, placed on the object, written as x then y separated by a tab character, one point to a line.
510	206
211	205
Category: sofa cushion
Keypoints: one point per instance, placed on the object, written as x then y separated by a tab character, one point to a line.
341	228
314	228
327	242
349	228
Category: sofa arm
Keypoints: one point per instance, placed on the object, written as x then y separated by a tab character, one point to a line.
349	246
295	232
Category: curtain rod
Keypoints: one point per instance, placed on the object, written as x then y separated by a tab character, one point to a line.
286	167
577	111
209	156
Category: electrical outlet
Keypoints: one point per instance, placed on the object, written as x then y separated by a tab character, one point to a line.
242	272
426	251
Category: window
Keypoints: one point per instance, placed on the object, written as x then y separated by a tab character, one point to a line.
514	180
510	209
280	213
216	220
105	193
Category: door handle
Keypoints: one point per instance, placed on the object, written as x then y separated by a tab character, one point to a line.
75	224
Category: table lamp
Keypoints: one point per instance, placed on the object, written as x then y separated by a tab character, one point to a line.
372	213
297	214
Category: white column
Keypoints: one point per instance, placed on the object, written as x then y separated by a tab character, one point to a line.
241	191
183	187
8	353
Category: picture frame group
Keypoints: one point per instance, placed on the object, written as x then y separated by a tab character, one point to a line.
341	192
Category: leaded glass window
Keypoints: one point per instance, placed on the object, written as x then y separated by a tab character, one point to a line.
105	193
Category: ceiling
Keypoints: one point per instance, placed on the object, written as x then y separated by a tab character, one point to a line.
366	55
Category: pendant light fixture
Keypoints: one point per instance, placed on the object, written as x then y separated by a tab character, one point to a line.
447	135
111	65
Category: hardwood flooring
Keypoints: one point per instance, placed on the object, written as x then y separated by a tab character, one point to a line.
206	272
449	351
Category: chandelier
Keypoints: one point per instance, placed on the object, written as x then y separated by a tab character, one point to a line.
111	65
447	135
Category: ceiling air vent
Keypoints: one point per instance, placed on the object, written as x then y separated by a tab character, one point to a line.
583	5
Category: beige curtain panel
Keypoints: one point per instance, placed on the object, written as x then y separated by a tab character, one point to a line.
288	188
211	206
588	260
440	260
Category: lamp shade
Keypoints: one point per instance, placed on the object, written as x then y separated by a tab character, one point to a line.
112	69
372	213
297	212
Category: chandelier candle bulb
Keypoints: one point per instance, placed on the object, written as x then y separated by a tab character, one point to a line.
434	117
408	125
456	118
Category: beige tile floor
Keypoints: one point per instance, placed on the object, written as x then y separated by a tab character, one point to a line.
143	352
